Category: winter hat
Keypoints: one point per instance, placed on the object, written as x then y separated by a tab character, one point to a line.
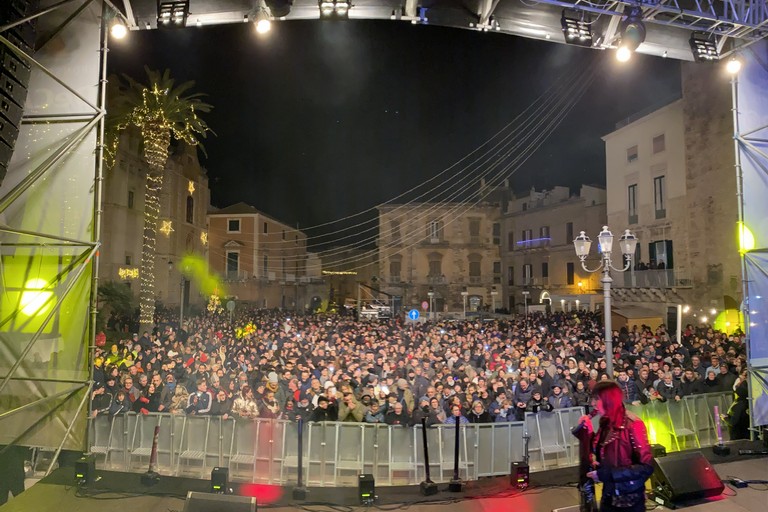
402	383
272	377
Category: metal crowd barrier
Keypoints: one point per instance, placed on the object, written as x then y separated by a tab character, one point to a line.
334	453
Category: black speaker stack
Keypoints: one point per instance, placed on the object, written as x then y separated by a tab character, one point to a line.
14	73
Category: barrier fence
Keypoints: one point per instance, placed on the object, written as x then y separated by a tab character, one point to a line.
334	453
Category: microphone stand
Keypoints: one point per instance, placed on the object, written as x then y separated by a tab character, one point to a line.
455	484
428	487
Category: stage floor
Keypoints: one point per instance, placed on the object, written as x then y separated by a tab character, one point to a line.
123	492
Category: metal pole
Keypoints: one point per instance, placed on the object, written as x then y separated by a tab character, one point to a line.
181	303
607	280
679	330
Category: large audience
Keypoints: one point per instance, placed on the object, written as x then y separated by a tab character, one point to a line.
273	364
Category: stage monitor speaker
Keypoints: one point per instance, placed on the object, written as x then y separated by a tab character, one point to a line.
366	488
685	477
205	502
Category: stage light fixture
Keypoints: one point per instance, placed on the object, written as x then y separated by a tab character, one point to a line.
632	30
172	14
334	9
733	66
263	21
704	48
577	31
118	29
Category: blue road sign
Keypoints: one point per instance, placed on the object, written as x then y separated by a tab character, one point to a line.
413	314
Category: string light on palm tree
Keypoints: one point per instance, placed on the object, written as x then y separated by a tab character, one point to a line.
161	111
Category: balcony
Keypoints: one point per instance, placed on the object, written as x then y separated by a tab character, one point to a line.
667	278
236	275
437	280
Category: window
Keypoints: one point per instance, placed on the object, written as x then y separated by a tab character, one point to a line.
475	271
511	241
544	232
128	259
659	144
474	229
435	230
496	272
658	196
395	267
660	254
131	196
632	154
527	234
394	228
511	276
527	274
496	233
435	264
568	232
233	262
632	204
190	209
265	266
283	234
569	273
525	206
545	269
266	230
233	225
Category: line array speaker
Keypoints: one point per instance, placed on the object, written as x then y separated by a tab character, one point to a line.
14	74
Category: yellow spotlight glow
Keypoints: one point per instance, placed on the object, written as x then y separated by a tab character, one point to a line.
35	299
746	238
623	54
729	321
118	30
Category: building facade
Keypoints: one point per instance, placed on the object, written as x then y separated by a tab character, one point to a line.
537	254
670	179
182	226
442	255
261	260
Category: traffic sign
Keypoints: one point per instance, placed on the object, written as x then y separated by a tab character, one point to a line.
425	306
413	314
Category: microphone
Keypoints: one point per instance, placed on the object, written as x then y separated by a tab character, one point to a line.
580	426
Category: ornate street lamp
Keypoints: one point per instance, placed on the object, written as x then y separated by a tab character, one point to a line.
627	244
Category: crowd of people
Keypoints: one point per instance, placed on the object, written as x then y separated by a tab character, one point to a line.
271	364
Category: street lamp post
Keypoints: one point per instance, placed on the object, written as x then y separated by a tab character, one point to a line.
464	295
526	293
627	243
431	296
494	293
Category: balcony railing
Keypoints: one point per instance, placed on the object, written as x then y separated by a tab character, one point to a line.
437	280
667	278
236	275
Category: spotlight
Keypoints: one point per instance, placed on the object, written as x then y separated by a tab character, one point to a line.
334	9
577	31
733	66
623	54
632	33
118	29
703	48
263	22
172	14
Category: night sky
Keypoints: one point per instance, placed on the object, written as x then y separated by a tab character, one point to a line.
320	120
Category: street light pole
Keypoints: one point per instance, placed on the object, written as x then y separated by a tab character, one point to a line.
431	296
526	293
627	243
181	302
464	297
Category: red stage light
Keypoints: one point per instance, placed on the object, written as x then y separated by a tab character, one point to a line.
264	494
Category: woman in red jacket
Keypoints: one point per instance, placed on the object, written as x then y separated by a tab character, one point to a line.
621	453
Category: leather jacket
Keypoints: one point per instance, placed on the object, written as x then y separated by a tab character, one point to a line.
624	456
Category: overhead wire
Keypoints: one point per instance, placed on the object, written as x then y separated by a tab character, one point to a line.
560	112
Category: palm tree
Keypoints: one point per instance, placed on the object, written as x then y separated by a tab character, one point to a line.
160	112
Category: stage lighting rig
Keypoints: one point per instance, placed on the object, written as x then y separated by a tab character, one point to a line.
632	33
577	30
172	14
704	48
